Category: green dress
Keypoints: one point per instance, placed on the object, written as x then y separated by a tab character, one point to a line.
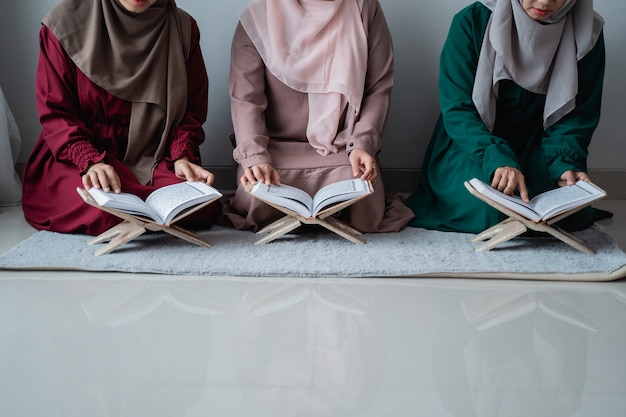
462	148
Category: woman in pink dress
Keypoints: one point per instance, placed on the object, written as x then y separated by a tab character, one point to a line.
122	94
310	86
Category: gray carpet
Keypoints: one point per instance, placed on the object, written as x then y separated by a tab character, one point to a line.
317	253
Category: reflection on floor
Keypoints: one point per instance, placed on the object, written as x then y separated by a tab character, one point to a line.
98	344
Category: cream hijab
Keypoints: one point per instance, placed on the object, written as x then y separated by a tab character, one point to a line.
138	57
538	56
318	47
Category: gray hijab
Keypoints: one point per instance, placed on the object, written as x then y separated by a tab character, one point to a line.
541	57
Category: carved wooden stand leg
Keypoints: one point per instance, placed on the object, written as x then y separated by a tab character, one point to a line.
500	233
510	228
183	234
565	237
117	236
515	225
133	226
288	223
277	229
324	218
341	229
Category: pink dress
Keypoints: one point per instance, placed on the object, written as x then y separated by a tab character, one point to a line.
270	122
83	124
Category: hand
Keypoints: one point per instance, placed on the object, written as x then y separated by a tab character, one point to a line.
508	179
104	176
363	162
260	172
188	171
570	177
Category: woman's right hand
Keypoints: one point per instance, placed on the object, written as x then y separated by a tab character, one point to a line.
508	180
103	176
264	173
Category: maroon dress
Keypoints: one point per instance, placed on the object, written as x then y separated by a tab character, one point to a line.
83	124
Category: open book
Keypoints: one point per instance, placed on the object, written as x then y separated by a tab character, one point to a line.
547	205
165	205
298	201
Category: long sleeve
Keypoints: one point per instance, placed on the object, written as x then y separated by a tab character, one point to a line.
263	107
378	83
65	133
566	143
189	134
248	101
458	63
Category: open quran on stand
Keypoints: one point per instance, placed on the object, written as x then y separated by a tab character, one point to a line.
539	214
161	211
301	208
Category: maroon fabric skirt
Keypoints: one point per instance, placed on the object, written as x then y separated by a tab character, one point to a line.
50	201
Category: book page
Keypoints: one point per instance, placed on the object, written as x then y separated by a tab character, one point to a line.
512	202
546	205
339	191
285	196
172	199
128	203
556	201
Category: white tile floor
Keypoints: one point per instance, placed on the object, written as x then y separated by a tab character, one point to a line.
94	344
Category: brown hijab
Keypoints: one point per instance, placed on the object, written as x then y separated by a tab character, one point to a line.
138	57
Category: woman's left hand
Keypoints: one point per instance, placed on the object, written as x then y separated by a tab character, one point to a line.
363	162
570	178
186	170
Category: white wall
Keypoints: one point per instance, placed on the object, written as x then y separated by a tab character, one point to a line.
419	28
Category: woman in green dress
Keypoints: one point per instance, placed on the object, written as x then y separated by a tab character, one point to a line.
520	89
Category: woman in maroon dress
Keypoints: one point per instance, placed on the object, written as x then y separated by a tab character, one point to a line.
122	95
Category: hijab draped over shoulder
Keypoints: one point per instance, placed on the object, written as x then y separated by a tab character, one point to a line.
138	57
317	47
539	56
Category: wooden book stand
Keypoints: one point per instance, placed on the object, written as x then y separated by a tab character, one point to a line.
134	226
293	220
517	224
